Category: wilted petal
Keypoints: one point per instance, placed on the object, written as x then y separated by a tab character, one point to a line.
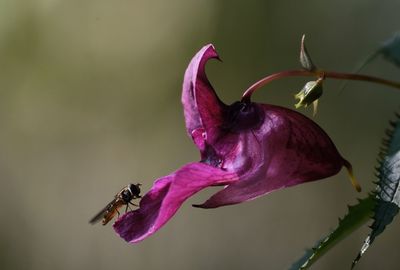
286	150
166	196
202	108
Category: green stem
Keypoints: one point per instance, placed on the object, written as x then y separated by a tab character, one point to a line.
318	73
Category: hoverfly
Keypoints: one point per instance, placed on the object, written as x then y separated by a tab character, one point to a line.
124	197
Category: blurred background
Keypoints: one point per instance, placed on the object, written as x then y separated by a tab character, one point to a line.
90	101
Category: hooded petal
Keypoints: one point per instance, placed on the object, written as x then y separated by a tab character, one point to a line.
202	108
287	149
166	196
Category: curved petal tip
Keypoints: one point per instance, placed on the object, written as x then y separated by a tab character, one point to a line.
201	105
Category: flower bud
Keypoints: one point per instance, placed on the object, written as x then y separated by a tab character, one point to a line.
310	93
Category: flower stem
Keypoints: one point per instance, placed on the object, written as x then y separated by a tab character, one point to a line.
317	73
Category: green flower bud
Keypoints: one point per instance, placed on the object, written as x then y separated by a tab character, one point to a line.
310	93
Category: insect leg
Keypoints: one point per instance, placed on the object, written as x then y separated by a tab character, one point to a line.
134	204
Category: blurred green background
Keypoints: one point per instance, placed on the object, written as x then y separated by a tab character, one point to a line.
90	101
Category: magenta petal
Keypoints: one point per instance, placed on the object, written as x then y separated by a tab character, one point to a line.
251	148
292	149
202	108
166	196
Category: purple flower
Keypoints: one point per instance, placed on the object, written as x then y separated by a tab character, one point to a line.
250	148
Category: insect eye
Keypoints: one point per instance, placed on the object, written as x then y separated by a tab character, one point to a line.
135	189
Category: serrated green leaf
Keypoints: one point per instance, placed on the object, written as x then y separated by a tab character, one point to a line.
382	205
358	215
388	189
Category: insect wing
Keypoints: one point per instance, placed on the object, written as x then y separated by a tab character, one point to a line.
101	214
112	211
